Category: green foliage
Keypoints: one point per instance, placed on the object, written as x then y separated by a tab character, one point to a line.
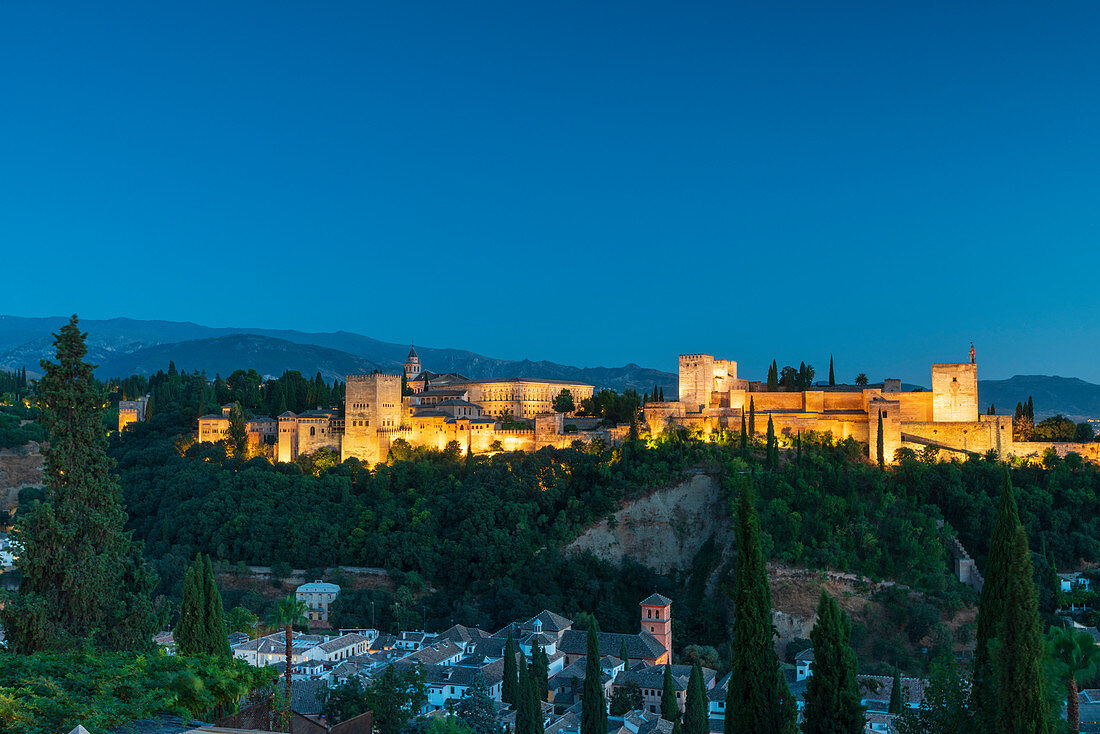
476	708
563	402
757	699
695	704
509	687
1073	659
626	698
944	709
13	435
832	378
773	377
243	619
613	407
394	697
1021	703
83	579
832	693
593	704
896	702
540	672
861	379
237	433
46	693
670	708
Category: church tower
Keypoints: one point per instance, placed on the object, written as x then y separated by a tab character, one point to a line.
657	621
412	365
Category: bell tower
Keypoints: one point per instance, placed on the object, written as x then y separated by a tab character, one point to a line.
412	365
657	621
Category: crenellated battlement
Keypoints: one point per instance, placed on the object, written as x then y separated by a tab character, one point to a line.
379	376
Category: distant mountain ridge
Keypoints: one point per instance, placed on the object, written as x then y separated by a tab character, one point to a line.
124	346
1051	395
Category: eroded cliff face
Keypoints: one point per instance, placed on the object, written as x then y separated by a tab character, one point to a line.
19	467
665	529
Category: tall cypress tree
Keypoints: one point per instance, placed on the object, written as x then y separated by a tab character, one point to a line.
758	699
773	377
773	447
83	578
1030	409
832	694
624	655
540	672
191	629
1021	704
670	707
752	419
879	446
695	704
661	398
895	693
991	608
217	641
593	706
510	684
525	723
744	433
832	378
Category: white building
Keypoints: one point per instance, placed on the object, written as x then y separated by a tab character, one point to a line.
317	595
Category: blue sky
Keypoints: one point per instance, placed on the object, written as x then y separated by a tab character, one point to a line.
591	183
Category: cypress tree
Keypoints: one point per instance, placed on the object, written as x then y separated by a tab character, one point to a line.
832	378
752	419
508	687
772	445
523	709
1030	409
593	706
83	578
540	676
695	704
895	693
1021	704
758	699
991	607
217	641
832	694
662	398
799	444
670	708
773	377
624	656
192	623
744	433
879	443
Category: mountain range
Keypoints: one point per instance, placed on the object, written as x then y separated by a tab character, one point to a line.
123	346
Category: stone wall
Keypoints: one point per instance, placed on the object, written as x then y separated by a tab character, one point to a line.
955	392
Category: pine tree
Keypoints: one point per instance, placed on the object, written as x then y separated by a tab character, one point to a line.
510	684
1021	704
217	641
758	699
83	578
895	693
593	706
670	707
192	623
695	704
832	694
832	378
879	446
744	433
752	419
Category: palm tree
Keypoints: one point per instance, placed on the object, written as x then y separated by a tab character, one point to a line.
286	613
1075	657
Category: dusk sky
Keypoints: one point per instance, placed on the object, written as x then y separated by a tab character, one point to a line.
589	183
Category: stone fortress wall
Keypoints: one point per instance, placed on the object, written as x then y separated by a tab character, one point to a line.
713	398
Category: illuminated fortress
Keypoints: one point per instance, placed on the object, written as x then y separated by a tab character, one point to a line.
946	419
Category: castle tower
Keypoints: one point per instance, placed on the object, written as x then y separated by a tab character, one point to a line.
372	404
955	392
657	621
412	365
696	381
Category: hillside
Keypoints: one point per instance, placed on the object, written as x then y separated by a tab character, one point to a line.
127	346
1068	396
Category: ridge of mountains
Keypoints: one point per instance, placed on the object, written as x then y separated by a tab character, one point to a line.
124	346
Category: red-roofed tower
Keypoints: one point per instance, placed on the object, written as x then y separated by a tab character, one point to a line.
657	621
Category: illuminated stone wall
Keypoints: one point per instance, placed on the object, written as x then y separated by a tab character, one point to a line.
371	403
524	398
955	392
